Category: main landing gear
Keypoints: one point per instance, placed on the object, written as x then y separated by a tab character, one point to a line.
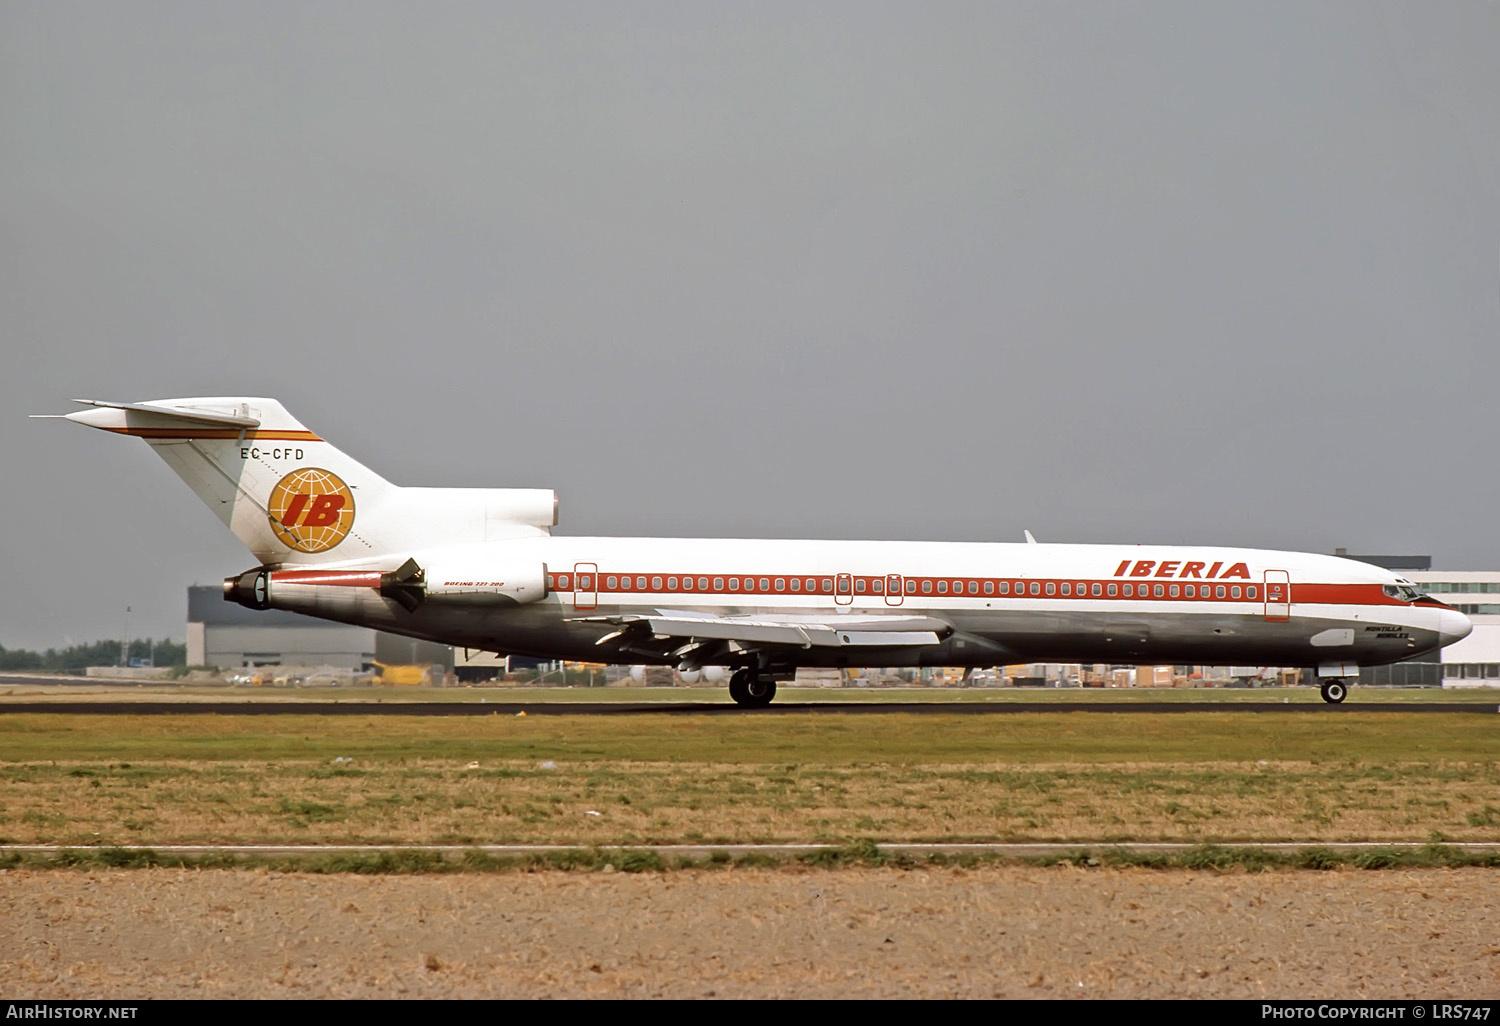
1334	691
750	690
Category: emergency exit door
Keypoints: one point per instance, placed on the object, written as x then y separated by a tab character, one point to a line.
893	592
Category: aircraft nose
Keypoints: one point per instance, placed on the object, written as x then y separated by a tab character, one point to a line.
1453	626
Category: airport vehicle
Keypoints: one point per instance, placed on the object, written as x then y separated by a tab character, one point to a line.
480	568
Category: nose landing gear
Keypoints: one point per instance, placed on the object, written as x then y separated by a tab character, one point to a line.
1334	691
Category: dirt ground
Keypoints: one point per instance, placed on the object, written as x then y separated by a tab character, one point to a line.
850	933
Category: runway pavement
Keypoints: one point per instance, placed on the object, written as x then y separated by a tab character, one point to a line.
106	707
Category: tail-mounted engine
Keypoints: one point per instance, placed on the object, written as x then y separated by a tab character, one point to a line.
410	586
250	589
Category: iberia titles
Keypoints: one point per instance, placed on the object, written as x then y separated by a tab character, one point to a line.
1180	568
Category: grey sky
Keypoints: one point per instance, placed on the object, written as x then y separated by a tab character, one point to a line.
1159	272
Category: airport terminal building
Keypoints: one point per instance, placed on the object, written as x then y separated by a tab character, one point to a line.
1475	660
1472	662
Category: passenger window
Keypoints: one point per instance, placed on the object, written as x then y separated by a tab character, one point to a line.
562	581
796	584
1250	591
611	583
585	581
1005	587
1234	592
1159	591
640	583
1128	590
781	584
812	585
1036	589
926	587
859	585
843	585
734	584
827	586
1098	591
1113	588
1172	591
942	587
911	586
656	584
1067	589
1219	591
671	584
703	584
878	587
1051	588
765	584
973	587
718	584
989	587
550	584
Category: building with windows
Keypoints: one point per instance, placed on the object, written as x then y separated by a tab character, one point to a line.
1476	593
230	636
1474	661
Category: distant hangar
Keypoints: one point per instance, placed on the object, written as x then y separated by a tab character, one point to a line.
229	636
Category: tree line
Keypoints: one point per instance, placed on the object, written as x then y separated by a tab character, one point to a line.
75	658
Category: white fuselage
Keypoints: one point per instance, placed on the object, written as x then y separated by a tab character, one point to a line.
1005	602
480	568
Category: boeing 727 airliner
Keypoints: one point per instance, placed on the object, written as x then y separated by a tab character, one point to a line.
480	568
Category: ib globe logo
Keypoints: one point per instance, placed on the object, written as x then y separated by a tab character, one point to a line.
311	510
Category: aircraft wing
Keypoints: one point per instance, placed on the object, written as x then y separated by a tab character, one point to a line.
701	637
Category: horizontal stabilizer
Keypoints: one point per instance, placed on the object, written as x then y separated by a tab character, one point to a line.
243	420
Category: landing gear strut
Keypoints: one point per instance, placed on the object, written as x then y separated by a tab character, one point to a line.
1334	691
751	691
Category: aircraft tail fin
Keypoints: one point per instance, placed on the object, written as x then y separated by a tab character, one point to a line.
292	498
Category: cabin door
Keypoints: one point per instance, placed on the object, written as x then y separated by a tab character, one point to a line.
1278	595
585	585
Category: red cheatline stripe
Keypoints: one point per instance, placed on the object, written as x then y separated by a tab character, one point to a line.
1343	594
227	433
1302	594
333	578
958	587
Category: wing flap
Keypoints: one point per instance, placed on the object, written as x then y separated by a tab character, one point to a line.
801	632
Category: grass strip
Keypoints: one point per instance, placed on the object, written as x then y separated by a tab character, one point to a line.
860	853
895	738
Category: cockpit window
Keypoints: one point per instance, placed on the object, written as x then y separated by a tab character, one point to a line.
1404	592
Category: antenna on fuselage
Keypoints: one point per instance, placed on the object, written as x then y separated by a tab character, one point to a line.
1029	539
